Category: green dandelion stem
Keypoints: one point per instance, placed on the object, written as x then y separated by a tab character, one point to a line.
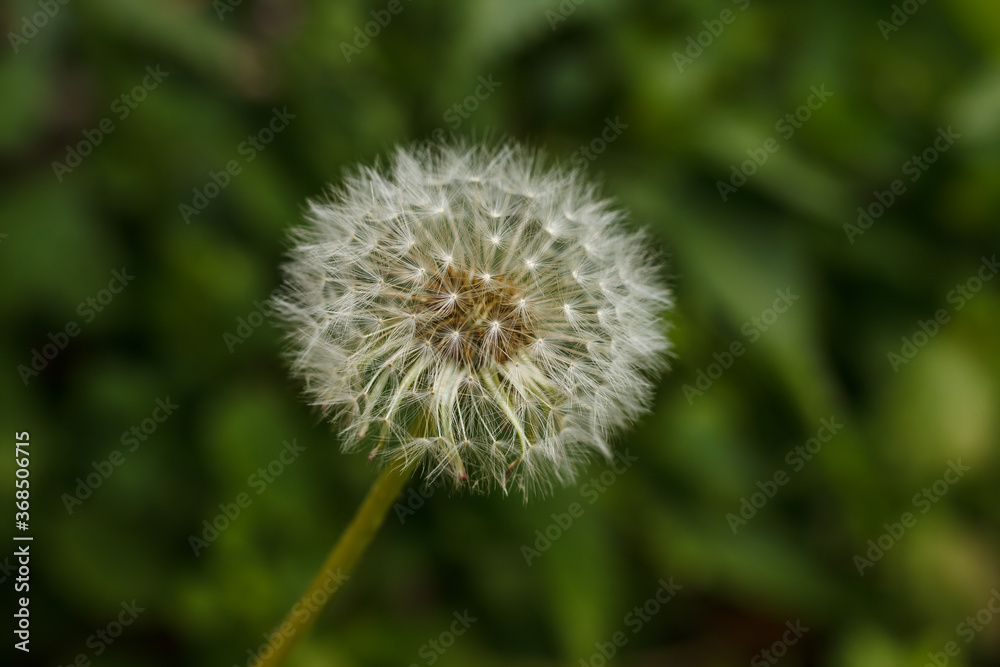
339	564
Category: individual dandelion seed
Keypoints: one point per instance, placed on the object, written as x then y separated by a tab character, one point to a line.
468	311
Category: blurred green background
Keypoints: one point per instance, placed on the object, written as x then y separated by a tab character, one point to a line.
187	328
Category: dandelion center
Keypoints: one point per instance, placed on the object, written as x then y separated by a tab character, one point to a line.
471	321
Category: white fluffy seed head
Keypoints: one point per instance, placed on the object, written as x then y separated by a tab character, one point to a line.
468	310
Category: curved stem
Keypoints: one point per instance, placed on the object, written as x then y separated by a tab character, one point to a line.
338	565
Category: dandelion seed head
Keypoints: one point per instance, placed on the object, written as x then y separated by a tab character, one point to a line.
441	313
